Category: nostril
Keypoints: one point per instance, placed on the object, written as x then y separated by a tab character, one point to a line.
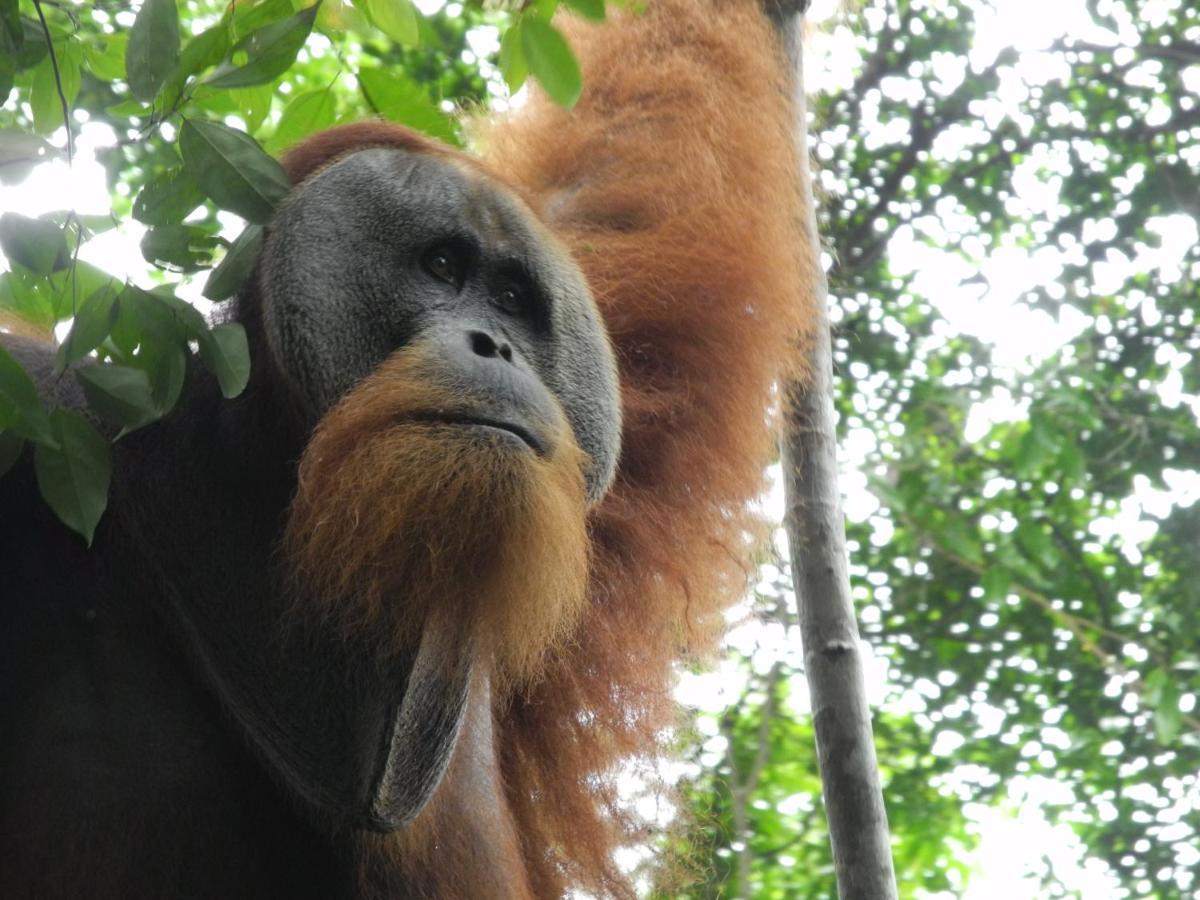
482	344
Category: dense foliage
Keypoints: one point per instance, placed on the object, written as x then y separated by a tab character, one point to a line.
195	94
1025	544
1013	274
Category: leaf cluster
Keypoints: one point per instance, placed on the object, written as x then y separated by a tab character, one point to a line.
199	95
1014	575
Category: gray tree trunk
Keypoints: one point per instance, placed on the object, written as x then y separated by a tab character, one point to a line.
858	829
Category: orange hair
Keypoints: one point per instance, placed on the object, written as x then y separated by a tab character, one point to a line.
673	183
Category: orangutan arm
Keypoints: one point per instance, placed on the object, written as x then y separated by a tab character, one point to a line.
672	182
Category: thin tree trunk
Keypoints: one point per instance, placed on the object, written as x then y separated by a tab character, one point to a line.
858	829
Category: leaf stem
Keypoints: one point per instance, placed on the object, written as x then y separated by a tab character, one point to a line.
58	85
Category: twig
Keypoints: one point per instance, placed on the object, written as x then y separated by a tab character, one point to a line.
72	218
58	85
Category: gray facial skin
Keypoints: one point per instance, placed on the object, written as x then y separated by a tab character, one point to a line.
385	247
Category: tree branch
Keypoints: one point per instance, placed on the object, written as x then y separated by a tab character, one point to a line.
858	830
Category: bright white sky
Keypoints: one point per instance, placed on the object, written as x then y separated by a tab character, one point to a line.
1018	836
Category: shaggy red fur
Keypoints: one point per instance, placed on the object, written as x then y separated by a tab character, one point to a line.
373	552
369	521
673	184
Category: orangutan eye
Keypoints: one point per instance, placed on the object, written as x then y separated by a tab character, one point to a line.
441	263
512	301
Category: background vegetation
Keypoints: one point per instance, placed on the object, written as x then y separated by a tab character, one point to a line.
1011	217
1014	276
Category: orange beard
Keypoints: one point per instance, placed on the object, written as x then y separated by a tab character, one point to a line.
393	518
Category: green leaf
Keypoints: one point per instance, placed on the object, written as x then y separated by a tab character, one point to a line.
204	51
551	61
158	327
542	10
130	109
589	9
167	198
229	276
69	287
105	55
11	446
1168	720
12	34
249	17
8	72
1071	463
166	367
399	100
21	410
996	583
74	476
270	51
97	224
37	244
231	168
153	49
19	153
307	113
227	354
145	320
513	66
130	328
212	100
253	104
1157	682
93	322
44	98
19	297
155	321
178	248
395	18
959	537
120	395
188	320
33	44
1038	445
1035	544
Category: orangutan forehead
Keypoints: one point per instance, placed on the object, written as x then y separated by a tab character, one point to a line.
502	211
442	184
494	205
